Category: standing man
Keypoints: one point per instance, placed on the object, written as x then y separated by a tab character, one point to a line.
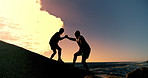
84	49
54	44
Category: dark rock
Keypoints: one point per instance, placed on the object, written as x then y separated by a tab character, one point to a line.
138	73
17	62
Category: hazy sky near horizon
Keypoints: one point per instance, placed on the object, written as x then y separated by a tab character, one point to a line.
115	29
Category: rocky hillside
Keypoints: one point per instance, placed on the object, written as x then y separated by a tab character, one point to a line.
16	62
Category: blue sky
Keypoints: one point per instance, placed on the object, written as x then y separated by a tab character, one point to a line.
109	22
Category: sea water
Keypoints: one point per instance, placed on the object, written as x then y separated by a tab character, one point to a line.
118	69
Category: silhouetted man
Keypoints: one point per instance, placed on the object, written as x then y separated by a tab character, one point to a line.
54	44
84	49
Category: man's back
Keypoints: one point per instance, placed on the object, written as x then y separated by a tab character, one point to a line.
82	42
55	38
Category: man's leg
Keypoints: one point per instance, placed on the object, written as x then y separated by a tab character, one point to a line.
75	57
59	53
84	63
54	52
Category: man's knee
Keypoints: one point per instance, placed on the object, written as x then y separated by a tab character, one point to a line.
75	55
59	49
54	51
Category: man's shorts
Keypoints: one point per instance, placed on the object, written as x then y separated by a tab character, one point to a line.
54	46
84	52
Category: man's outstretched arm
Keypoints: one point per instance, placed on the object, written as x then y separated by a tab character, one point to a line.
63	37
73	39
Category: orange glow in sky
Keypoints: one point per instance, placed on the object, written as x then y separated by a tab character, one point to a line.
23	23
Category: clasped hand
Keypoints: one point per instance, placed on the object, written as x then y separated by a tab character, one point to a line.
66	36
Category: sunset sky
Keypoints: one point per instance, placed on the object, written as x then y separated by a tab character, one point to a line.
116	30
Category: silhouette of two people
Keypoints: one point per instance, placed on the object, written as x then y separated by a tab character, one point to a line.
84	48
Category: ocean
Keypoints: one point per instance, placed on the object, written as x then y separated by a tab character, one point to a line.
116	69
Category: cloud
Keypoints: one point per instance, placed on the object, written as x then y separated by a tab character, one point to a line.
23	23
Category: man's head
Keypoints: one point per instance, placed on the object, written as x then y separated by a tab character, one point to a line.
77	34
61	30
